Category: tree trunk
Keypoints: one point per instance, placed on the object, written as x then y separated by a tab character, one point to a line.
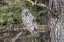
56	24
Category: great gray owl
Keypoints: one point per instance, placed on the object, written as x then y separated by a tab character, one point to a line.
29	21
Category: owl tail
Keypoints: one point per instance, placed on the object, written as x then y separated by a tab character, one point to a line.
35	32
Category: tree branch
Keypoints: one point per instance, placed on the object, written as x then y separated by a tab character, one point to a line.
44	6
16	37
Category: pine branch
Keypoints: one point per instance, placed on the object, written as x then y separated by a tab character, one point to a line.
44	6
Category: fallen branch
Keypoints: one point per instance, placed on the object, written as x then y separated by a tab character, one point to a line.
16	37
8	30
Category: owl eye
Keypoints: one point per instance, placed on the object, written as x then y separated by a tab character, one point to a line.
26	13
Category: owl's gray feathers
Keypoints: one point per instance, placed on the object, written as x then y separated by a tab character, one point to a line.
29	21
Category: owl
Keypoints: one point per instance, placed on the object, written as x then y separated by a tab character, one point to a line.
29	21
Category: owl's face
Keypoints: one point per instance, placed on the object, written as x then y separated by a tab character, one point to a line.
25	12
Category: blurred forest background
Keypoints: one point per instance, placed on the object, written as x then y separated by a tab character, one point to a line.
10	13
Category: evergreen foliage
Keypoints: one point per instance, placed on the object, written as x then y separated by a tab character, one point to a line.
10	15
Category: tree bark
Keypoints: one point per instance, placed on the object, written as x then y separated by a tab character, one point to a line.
56	25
